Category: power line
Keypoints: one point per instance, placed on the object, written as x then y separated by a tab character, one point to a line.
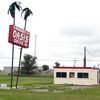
91	54
67	60
7	58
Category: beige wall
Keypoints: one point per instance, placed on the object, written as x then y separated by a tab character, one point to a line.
92	80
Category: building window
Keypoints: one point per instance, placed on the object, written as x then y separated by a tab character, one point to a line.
61	74
71	75
82	75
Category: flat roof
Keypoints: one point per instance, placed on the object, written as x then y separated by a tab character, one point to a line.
71	67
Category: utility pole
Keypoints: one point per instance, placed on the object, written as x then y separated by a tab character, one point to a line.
84	57
35	46
74	63
98	65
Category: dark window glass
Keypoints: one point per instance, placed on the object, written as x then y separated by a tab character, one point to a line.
58	74
61	74
83	75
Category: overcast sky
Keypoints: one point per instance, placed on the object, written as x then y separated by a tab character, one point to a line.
63	28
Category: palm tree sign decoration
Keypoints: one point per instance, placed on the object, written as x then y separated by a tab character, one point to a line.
11	10
27	12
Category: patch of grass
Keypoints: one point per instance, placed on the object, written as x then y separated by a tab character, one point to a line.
27	81
35	80
56	92
79	94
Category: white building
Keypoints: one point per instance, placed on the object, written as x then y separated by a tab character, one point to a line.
76	75
7	69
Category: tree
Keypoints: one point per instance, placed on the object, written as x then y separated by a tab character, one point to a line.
11	10
45	67
27	12
57	64
28	64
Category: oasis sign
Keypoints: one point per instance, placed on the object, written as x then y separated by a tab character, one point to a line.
18	36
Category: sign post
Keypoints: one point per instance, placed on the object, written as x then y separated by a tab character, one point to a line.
20	37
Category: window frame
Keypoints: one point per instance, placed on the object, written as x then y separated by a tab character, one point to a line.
61	74
71	74
83	75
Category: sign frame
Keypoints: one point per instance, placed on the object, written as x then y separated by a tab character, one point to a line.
18	36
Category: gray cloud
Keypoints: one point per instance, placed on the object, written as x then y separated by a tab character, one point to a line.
86	35
79	31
